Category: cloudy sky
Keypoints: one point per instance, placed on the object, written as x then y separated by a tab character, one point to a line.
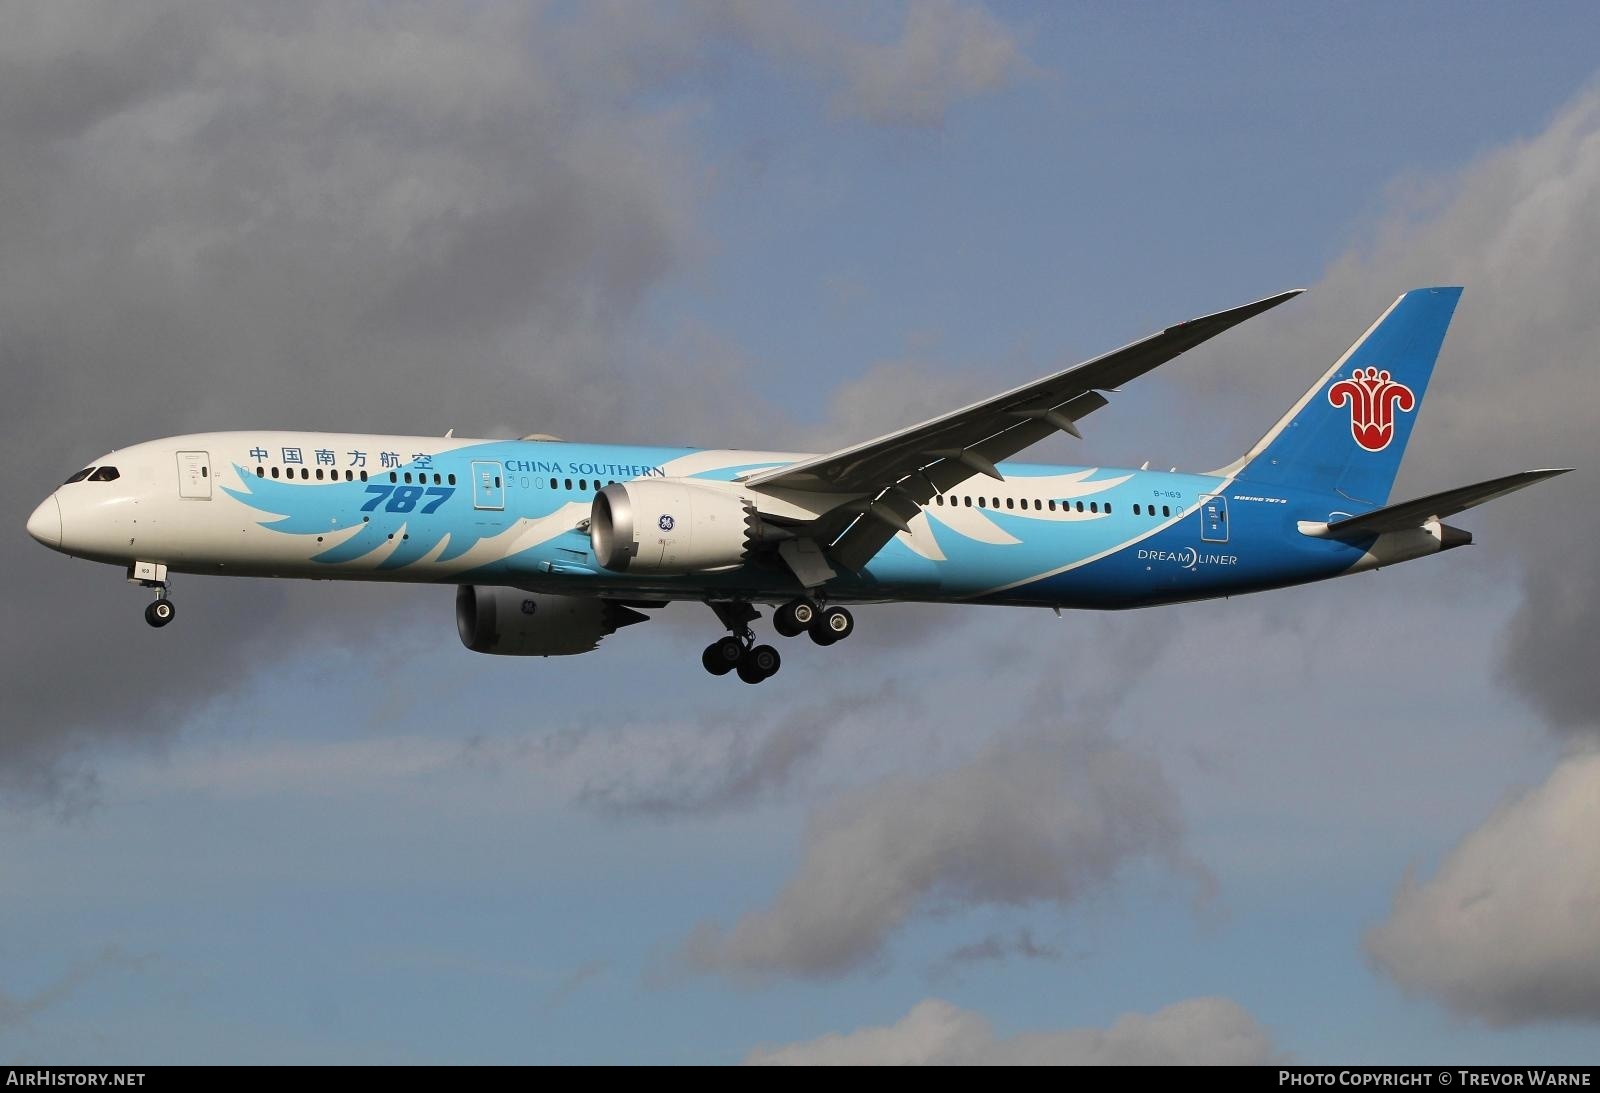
1354	822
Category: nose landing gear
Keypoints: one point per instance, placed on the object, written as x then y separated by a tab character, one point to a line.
153	575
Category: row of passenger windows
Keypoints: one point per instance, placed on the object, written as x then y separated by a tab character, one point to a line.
1038	505
94	474
583	484
306	474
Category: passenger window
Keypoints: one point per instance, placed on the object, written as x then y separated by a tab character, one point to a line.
363	476
1080	506
261	472
1010	504
1166	510
408	476
319	474
393	477
274	472
981	504
569	484
1037	504
968	501
305	473
1108	506
996	501
1052	504
1136	510
1094	506
452	479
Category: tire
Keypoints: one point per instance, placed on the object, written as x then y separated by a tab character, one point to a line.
749	672
722	656
832	624
159	613
795	617
765	659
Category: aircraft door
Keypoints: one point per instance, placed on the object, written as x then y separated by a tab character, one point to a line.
488	486
194	475
1213	518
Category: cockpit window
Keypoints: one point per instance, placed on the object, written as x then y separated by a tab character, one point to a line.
79	477
105	474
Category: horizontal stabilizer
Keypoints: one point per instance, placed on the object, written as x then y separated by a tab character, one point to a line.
1412	514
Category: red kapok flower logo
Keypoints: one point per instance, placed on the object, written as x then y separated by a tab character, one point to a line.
1373	399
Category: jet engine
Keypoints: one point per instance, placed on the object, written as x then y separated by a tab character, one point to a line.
511	622
670	526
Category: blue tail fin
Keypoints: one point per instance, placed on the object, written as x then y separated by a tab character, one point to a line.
1347	434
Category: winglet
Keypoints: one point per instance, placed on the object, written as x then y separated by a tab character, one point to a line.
1236	315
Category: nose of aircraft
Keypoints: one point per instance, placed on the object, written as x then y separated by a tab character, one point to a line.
45	523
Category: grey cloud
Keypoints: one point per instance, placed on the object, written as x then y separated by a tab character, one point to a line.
945	52
728	767
1516	383
573	981
1506	930
224	216
996	947
403	220
18	1009
1214	1031
1044	816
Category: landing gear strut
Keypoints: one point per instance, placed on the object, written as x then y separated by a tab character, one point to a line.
739	652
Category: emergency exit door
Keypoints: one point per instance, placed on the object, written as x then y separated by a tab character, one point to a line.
194	475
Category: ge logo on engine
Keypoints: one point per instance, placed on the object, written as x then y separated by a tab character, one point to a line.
529	607
666	523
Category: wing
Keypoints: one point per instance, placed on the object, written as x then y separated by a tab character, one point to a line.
890	478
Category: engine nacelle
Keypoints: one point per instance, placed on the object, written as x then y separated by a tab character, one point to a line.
511	622
668	525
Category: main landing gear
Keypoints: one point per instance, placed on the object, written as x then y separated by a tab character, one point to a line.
754	663
739	652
